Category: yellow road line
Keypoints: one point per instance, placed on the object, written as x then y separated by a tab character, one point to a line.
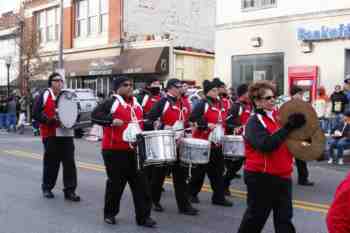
315	207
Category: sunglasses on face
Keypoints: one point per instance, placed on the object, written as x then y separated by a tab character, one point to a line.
268	97
178	86
57	80
127	85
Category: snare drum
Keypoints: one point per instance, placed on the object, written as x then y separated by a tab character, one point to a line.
159	147
233	147
194	151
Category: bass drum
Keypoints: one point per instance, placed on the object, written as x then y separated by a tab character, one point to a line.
86	103
67	109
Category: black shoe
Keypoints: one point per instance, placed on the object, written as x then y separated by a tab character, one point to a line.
158	207
148	222
71	197
189	211
48	194
306	183
110	220
194	199
224	203
227	192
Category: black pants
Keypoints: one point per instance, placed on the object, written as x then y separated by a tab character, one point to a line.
179	175
267	193
121	169
215	170
303	173
232	167
57	150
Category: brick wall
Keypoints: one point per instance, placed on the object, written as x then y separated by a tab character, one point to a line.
114	21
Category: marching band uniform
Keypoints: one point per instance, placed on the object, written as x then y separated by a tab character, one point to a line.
148	102
206	112
58	145
170	110
238	117
120	157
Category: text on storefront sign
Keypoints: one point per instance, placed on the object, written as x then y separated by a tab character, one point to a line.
325	33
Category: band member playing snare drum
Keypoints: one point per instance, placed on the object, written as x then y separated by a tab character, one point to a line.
121	116
173	115
58	142
209	116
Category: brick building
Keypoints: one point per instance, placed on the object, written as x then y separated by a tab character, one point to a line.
138	38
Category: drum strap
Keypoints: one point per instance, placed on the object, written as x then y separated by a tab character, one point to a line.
46	95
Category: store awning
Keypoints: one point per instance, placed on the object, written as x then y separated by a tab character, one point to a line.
133	61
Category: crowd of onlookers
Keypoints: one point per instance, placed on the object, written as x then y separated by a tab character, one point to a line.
12	113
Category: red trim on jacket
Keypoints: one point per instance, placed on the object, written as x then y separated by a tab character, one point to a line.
278	163
113	135
49	110
174	112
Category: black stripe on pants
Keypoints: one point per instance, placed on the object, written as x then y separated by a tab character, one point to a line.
57	150
267	193
121	169
179	175
215	170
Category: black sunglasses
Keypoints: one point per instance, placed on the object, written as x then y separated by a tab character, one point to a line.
268	97
127	85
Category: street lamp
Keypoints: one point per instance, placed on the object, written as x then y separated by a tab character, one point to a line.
8	65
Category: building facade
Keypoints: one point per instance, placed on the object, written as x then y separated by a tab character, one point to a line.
10	51
137	38
298	42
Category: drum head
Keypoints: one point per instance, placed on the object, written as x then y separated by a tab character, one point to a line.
67	109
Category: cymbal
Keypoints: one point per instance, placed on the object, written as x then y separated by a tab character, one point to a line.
308	150
299	106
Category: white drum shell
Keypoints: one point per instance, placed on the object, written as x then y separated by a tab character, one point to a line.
233	147
67	109
194	151
160	146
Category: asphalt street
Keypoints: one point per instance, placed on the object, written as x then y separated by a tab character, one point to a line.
24	210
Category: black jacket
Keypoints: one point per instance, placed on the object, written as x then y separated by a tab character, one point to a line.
102	115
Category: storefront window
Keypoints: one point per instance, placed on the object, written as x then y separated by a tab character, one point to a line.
250	68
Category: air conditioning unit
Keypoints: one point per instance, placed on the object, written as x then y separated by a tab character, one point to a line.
306	47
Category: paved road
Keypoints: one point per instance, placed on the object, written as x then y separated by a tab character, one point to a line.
22	208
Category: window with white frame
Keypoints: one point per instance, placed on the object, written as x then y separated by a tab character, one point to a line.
258	4
91	17
47	22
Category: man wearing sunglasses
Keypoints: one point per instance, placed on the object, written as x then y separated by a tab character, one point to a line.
119	155
58	142
171	111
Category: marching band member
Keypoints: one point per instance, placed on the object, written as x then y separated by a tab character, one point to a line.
269	164
58	142
237	119
206	115
173	114
116	114
150	95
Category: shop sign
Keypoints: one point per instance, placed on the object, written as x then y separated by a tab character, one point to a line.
101	67
325	33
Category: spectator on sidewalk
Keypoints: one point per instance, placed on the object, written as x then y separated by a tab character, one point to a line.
338	217
339	102
12	114
22	114
3	113
340	140
322	108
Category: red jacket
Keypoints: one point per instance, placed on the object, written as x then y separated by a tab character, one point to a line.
338	217
44	110
113	135
211	114
265	147
173	112
148	102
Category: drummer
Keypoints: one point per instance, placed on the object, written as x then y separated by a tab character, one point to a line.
206	115
119	156
173	114
58	142
238	117
150	95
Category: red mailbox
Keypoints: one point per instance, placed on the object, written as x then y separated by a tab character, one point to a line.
305	77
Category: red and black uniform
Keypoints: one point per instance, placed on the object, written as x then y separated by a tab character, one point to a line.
238	117
57	148
148	101
169	110
209	111
120	157
267	174
338	217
